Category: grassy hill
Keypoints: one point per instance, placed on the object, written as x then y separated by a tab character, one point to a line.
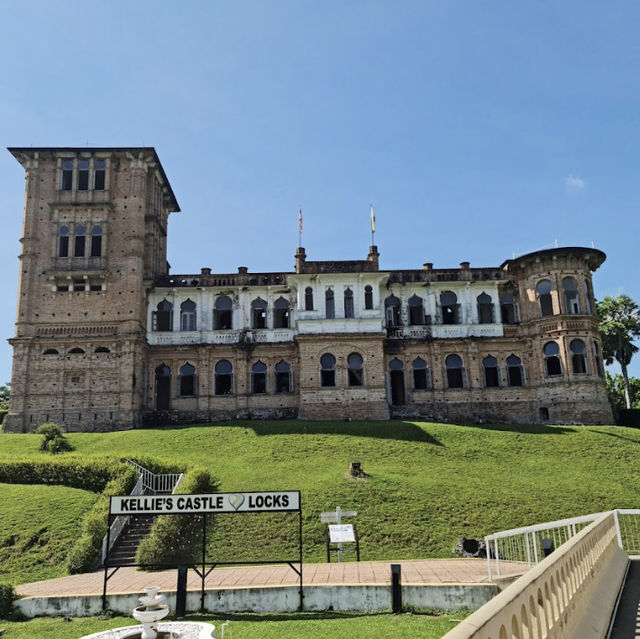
430	483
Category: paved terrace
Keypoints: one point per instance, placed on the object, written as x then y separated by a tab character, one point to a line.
414	572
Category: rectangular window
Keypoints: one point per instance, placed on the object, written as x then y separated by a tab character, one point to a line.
63	246
78	285
328	378
78	246
259	382
283	384
95	287
62	287
515	375
83	175
223	384
188	321
96	245
66	177
99	172
420	379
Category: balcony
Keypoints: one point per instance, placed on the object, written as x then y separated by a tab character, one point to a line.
78	264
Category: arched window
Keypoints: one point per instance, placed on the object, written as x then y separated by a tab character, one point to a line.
187	381
308	299
396	382
188	316
355	375
50	351
392	311
163	387
449	307
327	370
596	357
163	317
420	374
96	241
491	372
222	313
544	298
455	371
79	241
514	371
368	298
571	301
552	359
416	311
223	377
83	175
588	296
258	313
281	313
348	303
63	241
283	377
259	378
485	309
329	304
76	351
508	309
578	356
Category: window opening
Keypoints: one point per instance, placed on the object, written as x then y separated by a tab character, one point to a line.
329	304
355	372
223	373
308	299
491	372
163	317
63	241
348	303
552	360
99	173
485	309
281	313
449	307
258	313
420	374
76	351
102	349
327	370
259	378
163	387
578	356
571	301
508	309
544	298
455	371
96	241
368	298
514	371
416	311
187	381
188	316
392	311
283	377
396	382
62	287
79	241
83	175
222	313
50	351
78	285
66	177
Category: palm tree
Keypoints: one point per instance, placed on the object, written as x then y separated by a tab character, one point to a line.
619	326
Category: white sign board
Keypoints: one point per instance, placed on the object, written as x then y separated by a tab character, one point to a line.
342	534
327	518
204	504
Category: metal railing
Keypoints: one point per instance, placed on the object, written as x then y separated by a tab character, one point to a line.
156	483
527	544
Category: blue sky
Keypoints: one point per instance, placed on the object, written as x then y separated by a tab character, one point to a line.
478	129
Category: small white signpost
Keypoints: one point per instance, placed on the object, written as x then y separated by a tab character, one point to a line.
336	518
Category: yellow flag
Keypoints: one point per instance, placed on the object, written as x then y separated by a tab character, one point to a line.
373	220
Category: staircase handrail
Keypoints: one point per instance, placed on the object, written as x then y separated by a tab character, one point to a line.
155	482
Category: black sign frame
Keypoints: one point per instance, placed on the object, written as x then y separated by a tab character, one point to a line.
201	569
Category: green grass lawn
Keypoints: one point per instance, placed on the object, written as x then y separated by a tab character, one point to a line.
37	525
307	625
430	483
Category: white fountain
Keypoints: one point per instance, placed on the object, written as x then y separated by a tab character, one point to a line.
151	611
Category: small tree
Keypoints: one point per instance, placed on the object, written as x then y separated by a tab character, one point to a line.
5	391
619	326
615	392
53	441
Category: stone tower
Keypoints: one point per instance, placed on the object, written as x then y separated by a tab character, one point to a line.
93	240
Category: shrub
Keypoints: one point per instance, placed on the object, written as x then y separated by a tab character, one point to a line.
177	539
7	597
53	441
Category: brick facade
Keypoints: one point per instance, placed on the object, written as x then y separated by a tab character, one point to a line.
106	338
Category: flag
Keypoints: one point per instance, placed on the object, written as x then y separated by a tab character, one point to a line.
300	221
373	220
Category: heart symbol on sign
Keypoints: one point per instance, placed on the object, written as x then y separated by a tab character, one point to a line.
236	501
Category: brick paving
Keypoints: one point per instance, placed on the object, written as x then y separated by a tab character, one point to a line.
417	571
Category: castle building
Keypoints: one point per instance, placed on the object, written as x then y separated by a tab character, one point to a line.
107	338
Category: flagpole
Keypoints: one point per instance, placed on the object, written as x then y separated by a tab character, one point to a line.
373	225
300	227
